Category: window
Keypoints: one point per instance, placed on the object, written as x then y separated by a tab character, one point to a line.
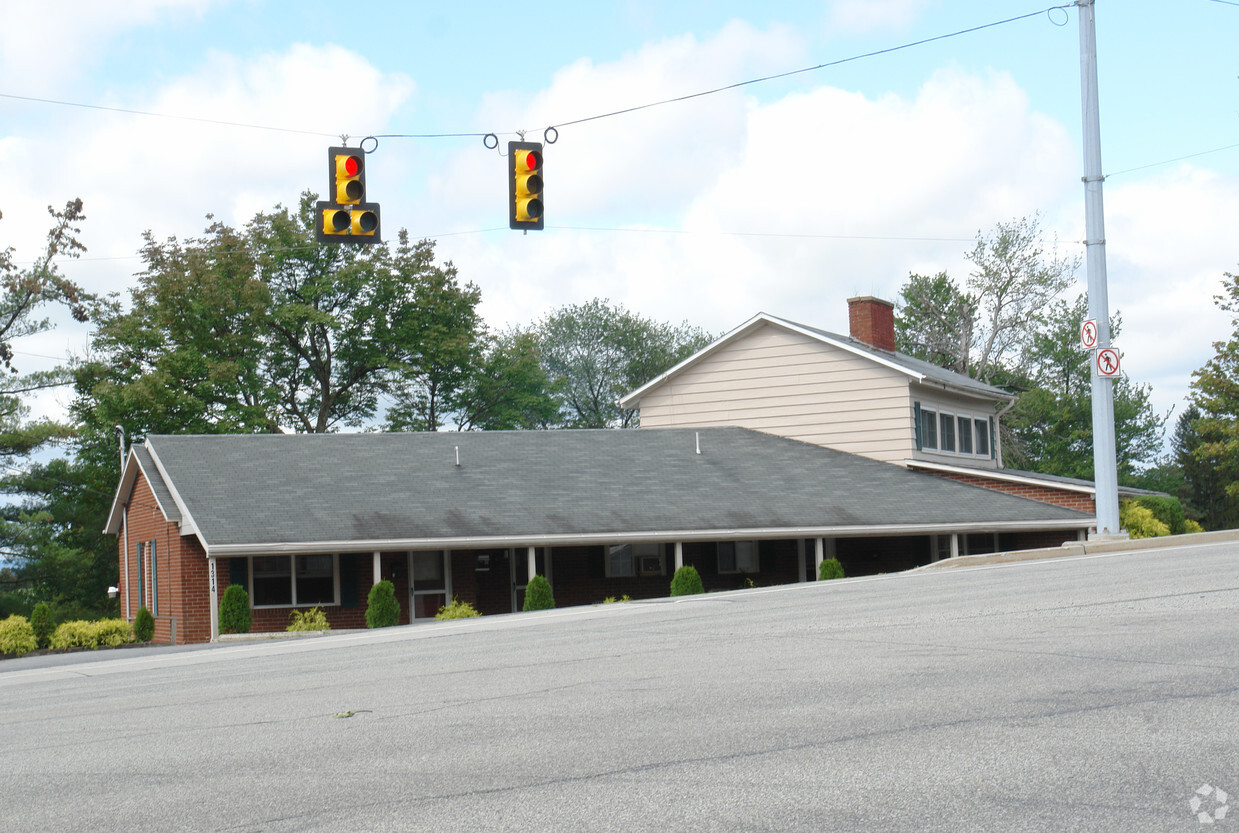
627	560
316	580
965	435
929	428
284	580
948	432
737	557
620	563
982	437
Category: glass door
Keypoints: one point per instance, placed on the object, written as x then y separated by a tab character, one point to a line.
429	584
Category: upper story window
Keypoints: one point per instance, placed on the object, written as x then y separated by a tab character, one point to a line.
939	429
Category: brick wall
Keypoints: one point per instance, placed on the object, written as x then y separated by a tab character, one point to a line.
1068	499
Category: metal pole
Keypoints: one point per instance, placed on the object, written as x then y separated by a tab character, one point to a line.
1105	469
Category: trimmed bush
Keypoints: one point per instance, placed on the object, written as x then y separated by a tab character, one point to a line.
17	636
830	569
457	610
538	594
235	615
143	625
686	582
382	609
313	619
105	633
1168	510
42	622
1140	522
1191	526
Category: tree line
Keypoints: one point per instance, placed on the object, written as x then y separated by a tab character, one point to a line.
261	329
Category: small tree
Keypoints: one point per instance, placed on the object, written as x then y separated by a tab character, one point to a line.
538	594
235	615
686	582
143	625
382	609
42	623
830	569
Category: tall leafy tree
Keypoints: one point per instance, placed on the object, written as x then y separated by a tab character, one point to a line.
1050	429
1215	389
47	566
985	329
507	387
594	353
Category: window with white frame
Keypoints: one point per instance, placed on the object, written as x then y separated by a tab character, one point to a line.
953	433
737	557
929	428
290	580
947	434
627	560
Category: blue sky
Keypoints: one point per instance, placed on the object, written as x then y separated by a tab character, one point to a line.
787	196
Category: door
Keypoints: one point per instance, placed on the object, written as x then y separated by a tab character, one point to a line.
430	583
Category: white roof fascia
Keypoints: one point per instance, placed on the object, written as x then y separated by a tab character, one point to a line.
999	474
187	526
628	400
125	488
647	536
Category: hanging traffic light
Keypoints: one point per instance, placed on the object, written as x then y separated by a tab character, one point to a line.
525	185
347	218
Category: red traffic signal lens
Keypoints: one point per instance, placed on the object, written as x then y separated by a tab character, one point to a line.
528	160
352	165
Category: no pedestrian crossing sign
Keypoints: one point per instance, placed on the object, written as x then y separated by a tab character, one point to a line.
1107	362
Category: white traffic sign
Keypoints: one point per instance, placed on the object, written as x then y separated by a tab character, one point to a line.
1088	334
1108	362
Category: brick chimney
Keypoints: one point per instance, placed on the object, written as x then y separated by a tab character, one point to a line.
872	321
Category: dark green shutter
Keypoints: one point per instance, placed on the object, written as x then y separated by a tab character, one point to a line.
349	595
238	572
993	453
916	417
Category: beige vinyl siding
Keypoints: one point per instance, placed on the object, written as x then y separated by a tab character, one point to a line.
794	386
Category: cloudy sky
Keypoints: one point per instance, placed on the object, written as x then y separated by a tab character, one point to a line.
786	196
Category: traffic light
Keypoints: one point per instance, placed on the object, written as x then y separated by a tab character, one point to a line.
525	185
347	218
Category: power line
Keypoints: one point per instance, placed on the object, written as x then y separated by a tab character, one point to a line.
467	134
1177	158
166	115
826	65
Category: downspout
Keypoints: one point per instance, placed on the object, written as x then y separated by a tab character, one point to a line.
998	433
124	517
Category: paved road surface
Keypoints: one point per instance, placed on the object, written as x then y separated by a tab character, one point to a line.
1097	693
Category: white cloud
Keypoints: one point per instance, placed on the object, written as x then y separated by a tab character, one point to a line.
867	15
45	43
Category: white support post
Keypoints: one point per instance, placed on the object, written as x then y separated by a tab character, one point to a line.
378	568
819	555
532	559
214	587
800	561
679	554
954	545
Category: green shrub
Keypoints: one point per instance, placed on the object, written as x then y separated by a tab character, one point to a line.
1140	522
609	600
79	633
1166	509
42	622
830	569
235	615
686	582
457	610
17	636
382	609
143	625
313	619
1191	526
538	594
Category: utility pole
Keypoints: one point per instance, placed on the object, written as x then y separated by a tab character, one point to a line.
1105	466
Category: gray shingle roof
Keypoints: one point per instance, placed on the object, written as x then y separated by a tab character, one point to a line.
525	487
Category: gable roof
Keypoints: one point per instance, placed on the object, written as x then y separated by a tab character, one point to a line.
915	369
249	494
